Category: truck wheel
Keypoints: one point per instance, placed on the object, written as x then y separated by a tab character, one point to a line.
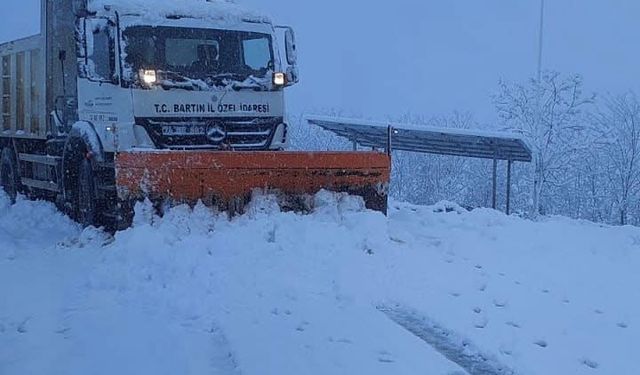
9	178
86	204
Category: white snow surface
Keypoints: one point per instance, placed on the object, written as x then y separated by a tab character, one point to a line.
212	10
340	291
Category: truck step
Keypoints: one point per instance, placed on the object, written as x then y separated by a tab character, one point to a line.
112	215
43	185
106	165
107	187
53	161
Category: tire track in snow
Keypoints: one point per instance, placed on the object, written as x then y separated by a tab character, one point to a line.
223	360
454	347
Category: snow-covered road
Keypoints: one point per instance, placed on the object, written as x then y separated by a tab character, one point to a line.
340	291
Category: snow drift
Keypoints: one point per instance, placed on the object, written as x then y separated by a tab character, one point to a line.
429	290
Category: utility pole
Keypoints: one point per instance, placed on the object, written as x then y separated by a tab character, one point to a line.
537	158
541	40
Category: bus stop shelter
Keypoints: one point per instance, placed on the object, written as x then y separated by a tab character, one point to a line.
495	146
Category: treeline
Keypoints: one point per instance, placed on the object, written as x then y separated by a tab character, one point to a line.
586	153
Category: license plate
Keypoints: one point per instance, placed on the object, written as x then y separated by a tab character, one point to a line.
184	130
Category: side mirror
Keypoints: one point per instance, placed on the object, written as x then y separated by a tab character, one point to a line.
291	53
79	8
292	75
290	46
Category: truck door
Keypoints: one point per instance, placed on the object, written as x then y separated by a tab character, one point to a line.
102	102
97	60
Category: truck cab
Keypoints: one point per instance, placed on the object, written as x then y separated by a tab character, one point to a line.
182	79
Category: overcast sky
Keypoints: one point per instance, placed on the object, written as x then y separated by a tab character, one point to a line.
431	57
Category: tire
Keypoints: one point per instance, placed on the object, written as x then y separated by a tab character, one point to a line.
9	176
86	200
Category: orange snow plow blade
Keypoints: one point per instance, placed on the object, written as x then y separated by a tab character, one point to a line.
226	177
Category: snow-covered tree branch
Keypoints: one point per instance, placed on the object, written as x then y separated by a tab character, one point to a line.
549	114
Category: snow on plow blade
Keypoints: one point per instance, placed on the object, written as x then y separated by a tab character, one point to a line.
224	178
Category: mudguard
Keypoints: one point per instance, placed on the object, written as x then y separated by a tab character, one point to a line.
85	132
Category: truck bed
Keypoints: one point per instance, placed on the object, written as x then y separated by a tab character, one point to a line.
23	88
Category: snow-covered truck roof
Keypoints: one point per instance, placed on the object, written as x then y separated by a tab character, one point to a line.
217	10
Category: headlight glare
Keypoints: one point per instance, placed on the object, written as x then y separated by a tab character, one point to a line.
279	79
149	77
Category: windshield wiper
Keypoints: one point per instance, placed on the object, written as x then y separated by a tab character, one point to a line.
239	81
233	76
174	74
181	77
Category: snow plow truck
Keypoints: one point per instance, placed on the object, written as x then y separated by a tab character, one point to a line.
175	101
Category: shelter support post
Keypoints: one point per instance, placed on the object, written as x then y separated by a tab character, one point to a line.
495	184
355	145
509	164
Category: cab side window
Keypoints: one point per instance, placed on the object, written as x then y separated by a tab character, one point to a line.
100	51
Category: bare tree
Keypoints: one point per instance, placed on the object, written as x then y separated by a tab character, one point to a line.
304	136
548	113
430	178
618	124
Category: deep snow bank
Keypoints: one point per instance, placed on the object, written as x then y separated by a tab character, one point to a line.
279	293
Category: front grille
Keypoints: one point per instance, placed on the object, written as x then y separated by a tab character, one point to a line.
213	134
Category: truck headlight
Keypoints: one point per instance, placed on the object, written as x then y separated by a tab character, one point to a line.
149	77
279	79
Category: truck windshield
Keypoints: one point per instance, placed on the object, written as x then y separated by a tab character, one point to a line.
212	56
